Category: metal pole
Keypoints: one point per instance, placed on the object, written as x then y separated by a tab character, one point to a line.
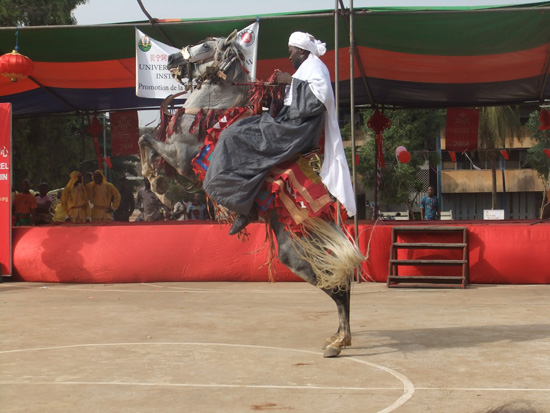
503	198
352	120
336	87
104	147
376	166
439	169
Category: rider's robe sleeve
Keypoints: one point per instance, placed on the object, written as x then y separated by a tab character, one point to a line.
248	149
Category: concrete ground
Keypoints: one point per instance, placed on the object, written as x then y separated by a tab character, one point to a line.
240	347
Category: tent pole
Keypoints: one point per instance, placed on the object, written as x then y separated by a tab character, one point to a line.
154	23
544	74
352	121
337	87
358	57
104	146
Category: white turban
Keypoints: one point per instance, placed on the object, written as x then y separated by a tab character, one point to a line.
307	42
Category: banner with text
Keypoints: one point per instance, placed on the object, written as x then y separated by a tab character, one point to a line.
247	39
462	129
5	188
153	80
124	132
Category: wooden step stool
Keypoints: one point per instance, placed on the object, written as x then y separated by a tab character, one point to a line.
441	281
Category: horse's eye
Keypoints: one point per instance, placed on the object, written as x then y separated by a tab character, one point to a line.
205	46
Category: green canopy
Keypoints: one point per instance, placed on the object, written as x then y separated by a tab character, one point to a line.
406	57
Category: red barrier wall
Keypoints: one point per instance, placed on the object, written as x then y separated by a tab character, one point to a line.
500	253
141	252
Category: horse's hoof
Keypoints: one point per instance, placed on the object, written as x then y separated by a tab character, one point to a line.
344	342
159	184
331	351
329	341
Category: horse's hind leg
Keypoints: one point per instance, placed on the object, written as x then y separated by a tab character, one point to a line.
342	338
289	257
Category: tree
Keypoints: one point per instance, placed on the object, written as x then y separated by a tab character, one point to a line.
536	157
496	125
417	130
38	13
48	148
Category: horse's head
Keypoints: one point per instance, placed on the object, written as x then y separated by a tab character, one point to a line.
215	57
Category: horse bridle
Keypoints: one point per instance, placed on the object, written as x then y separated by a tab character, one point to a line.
222	60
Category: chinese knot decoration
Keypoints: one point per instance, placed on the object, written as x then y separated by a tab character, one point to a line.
378	122
95	129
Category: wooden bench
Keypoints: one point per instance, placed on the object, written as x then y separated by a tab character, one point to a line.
397	216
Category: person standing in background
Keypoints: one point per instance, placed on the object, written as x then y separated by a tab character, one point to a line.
74	199
24	205
104	197
127	204
43	203
429	206
148	203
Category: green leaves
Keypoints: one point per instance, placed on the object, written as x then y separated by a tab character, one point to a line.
418	131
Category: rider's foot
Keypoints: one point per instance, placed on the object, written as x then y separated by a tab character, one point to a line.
239	223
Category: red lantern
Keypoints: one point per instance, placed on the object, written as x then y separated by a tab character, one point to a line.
402	154
15	66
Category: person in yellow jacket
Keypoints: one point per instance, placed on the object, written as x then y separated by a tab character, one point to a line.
104	197
74	199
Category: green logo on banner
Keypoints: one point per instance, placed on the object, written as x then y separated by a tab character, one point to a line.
144	44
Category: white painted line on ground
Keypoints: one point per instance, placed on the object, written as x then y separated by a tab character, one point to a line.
236	386
495	389
408	387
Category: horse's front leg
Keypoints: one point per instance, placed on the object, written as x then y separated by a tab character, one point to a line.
333	345
166	151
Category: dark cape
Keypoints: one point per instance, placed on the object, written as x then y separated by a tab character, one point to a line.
247	149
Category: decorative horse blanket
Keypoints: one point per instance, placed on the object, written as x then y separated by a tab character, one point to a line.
292	187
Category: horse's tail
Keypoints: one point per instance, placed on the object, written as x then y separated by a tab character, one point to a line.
332	255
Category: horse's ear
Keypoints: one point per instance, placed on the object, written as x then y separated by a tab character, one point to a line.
230	38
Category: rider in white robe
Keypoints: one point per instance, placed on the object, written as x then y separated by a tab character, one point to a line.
248	148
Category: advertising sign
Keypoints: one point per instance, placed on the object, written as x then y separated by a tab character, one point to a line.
462	129
5	189
153	80
124	132
493	214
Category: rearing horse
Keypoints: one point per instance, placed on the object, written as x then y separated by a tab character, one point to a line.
217	64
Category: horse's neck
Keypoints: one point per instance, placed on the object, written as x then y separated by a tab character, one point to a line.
221	95
217	96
